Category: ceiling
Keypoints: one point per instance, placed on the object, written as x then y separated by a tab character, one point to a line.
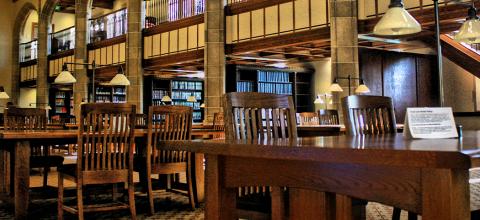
68	6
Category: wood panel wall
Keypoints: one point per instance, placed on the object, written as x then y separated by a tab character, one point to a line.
410	79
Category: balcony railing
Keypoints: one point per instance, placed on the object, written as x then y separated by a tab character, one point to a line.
377	8
28	51
159	11
62	40
231	2
108	26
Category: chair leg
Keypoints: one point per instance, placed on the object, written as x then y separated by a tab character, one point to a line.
131	200
396	213
412	216
80	200
150	193
60	196
191	192
45	177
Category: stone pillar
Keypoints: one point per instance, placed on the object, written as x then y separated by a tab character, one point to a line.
80	89
134	55
344	43
214	57
42	64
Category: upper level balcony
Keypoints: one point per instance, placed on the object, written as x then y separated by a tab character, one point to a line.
161	11
28	51
62	40
108	26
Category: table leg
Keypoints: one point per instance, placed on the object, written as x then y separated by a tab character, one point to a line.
310	204
199	177
343	210
445	194
3	171
21	178
220	201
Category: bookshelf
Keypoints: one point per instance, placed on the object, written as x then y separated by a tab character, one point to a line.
179	89
61	102
107	94
270	80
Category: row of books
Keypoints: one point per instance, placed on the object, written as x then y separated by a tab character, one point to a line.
187	85
185	95
244	86
119	91
60	95
273	76
275	88
158	93
194	105
60	110
197	116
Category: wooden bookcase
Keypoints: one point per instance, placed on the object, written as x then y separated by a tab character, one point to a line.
178	89
61	102
108	94
270	80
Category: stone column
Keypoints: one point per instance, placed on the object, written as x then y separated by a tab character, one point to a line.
214	57
134	70
344	43
80	89
42	65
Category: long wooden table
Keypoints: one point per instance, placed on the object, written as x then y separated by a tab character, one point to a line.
429	177
19	142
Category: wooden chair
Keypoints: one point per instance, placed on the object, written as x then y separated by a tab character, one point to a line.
167	123
308	118
371	115
31	119
218	125
141	121
328	117
252	116
105	155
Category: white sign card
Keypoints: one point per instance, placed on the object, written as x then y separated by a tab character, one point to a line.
430	123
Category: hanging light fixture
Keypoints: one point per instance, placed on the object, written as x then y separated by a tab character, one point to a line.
191	99
396	21
166	98
470	30
202	105
120	79
3	94
318	100
335	87
362	88
65	77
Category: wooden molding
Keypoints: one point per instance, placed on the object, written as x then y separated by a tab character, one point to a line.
166	60
29	63
460	55
31	83
61	54
238	8
173	25
284	40
108	42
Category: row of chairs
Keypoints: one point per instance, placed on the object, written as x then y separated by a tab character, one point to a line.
321	117
106	150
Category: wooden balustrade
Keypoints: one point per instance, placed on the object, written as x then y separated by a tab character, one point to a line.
160	11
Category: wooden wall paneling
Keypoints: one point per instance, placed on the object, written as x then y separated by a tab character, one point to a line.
156	40
427	82
35	71
192	33
302	15
231	29
257	23
164	43
147	47
104	55
173	41
271	25
399	82
91	56
244	25
371	70
123	49
286	17
183	39
201	37
115	53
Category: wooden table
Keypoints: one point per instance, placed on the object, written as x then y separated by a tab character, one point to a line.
429	177
319	130
19	142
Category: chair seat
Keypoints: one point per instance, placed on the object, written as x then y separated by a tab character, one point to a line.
46	161
68	169
140	164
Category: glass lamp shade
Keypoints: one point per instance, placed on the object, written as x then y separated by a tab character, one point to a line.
335	87
120	80
202	105
65	77
397	21
48	107
191	99
318	100
166	99
361	89
3	94
469	32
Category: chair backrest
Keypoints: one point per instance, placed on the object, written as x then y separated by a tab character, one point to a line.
25	119
369	115
106	137
328	117
168	123
219	125
250	115
308	118
141	121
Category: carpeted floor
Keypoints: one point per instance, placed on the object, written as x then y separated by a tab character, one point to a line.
168	205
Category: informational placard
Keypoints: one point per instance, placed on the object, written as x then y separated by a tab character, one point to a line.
430	123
